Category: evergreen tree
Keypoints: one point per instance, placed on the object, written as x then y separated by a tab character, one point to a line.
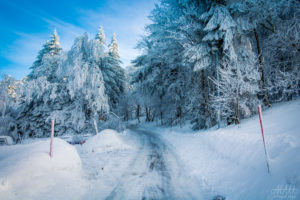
186	43
85	84
114	48
54	45
100	36
9	100
75	100
161	73
281	49
113	75
238	85
47	59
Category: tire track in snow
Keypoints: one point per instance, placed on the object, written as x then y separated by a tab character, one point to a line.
147	176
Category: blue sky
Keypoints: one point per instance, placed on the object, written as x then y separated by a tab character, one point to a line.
27	24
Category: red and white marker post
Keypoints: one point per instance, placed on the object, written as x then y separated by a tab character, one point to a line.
263	137
51	138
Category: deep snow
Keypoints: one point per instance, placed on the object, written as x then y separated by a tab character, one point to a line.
27	172
105	159
154	162
231	161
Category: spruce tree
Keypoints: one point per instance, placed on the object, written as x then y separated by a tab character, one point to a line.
114	49
113	74
47	59
75	98
100	36
54	45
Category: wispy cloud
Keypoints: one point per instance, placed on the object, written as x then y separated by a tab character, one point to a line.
126	19
67	32
23	51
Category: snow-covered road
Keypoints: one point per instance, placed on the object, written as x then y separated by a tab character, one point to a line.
147	176
152	171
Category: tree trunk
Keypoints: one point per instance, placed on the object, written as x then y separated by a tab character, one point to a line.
138	107
179	112
95	125
126	114
152	117
206	112
266	100
148	114
4	109
237	112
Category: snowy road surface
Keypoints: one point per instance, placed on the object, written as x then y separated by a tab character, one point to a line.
148	175
152	171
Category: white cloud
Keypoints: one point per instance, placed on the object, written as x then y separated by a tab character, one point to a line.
24	49
126	20
66	31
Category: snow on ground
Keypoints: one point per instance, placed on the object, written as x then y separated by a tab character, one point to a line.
105	158
27	172
106	140
162	162
90	171
231	161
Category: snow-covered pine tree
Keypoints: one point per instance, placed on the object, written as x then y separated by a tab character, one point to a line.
209	41
100	36
34	108
238	85
260	17
75	99
236	89
42	92
9	104
199	55
114	48
47	59
85	85
199	35
113	74
161	73
281	53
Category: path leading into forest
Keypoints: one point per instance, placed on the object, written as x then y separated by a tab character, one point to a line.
154	172
148	175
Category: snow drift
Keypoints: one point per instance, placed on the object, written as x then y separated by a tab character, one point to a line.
106	140
231	161
28	172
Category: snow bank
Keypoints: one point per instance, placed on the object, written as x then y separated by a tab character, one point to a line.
106	140
27	171
231	161
106	158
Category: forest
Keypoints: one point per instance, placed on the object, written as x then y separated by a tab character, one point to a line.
204	62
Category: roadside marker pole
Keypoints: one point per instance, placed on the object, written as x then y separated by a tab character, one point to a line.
263	137
51	138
